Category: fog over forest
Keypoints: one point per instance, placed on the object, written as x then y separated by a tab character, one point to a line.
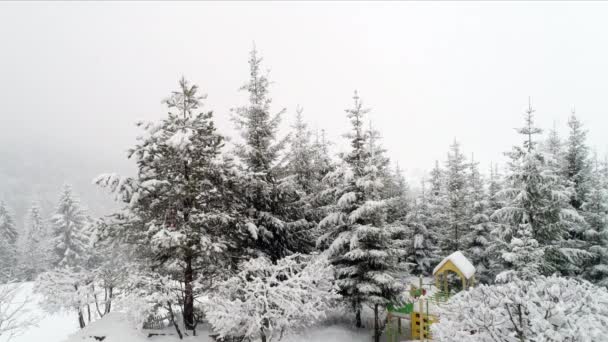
76	77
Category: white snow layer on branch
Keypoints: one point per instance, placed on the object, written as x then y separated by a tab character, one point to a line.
181	140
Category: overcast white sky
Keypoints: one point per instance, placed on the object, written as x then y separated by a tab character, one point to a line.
75	76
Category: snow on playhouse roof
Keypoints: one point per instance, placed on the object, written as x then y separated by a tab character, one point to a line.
461	262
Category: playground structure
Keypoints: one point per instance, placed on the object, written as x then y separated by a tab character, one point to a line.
422	308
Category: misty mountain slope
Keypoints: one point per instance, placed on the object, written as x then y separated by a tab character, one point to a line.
37	174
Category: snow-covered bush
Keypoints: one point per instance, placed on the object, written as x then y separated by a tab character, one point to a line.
65	289
15	317
543	309
265	300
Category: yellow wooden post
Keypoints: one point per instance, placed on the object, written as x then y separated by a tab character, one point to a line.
427	325
421	326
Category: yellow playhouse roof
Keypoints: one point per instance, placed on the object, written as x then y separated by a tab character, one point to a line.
459	261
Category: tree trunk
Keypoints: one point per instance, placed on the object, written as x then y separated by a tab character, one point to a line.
376	325
109	301
358	317
81	319
188	295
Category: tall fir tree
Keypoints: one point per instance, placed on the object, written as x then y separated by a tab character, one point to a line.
554	147
397	192
437	206
322	160
456	192
421	250
478	239
8	239
274	226
69	240
181	208
300	156
577	161
358	243
34	247
495	186
595	211
537	213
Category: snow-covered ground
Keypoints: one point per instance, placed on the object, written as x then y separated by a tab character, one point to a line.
49	327
63	327
116	328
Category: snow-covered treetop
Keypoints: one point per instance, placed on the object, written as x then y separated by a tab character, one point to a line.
461	262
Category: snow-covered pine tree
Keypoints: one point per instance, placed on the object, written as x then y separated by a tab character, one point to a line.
437	202
8	240
595	211
398	194
495	185
181	207
357	241
33	246
323	166
577	166
456	192
382	163
69	237
478	239
300	156
537	213
420	251
495	201
554	147
307	164
273	226
322	160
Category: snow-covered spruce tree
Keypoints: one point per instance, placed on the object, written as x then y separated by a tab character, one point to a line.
267	301
322	160
437	203
180	209
69	236
495	185
356	239
554	147
537	213
398	194
273	225
540	309
300	156
577	167
456	191
8	240
420	252
495	201
306	165
34	250
595	211
382	163
324	168
478	240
